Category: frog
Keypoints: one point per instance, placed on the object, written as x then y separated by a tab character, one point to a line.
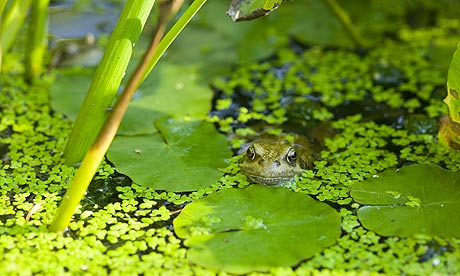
273	161
73	51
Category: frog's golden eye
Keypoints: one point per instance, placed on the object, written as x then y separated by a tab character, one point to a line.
251	153
291	156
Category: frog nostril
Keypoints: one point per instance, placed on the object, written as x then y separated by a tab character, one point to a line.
277	163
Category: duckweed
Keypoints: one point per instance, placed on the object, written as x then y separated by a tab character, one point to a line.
131	232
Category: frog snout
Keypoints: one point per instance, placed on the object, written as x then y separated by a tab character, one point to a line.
275	163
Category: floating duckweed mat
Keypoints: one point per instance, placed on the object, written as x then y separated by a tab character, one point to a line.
130	231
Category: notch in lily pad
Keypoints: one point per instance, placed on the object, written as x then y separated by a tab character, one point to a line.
184	155
416	199
256	228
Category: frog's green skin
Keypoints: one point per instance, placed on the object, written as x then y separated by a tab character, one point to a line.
275	161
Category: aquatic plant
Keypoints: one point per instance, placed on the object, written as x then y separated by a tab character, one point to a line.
95	154
449	132
125	227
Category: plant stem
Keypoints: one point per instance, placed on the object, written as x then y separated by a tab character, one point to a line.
172	34
96	153
2	7
345	21
37	39
107	78
12	21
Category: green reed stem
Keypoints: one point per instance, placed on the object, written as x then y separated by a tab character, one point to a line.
107	78
12	21
36	45
95	154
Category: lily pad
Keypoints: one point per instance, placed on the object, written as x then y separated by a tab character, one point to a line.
255	229
173	90
182	156
69	89
417	199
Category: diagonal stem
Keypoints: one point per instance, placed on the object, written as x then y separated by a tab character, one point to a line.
96	153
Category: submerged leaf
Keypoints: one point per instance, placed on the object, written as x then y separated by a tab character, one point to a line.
417	199
183	156
257	228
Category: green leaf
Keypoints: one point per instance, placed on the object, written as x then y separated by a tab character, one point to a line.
211	50
183	156
257	228
69	89
417	199
453	87
174	90
11	21
107	79
240	10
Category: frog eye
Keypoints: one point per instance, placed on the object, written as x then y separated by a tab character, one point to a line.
251	153
291	156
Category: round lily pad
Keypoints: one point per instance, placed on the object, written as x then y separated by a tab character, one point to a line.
255	229
182	156
174	90
416	199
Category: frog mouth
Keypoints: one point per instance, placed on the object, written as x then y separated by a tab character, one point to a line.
270	180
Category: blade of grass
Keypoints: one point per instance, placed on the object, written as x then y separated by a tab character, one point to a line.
96	153
107	78
37	39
